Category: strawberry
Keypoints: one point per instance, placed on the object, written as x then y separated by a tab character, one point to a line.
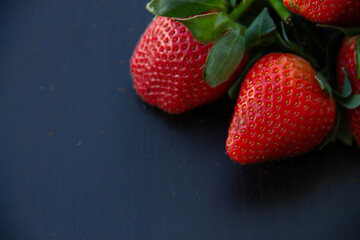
281	111
347	59
167	68
332	12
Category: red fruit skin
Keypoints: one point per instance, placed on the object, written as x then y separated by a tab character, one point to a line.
332	12
167	67
281	111
347	59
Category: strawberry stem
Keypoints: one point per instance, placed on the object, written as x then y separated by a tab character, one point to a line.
281	10
240	9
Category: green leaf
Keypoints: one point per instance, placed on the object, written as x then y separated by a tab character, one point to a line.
224	57
260	30
240	9
347	90
184	8
283	31
350	32
234	90
345	98
233	3
207	28
358	57
351	102
324	84
293	47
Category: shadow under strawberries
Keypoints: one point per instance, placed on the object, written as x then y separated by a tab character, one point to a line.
268	183
287	180
208	123
212	113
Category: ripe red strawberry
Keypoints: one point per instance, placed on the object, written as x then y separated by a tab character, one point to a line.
347	59
167	68
333	12
281	111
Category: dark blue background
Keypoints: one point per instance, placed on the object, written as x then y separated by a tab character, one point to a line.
82	157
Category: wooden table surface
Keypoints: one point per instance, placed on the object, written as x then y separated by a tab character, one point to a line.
82	157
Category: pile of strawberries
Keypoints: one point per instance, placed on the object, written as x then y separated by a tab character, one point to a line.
293	65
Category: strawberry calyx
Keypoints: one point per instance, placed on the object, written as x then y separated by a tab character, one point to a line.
261	31
294	47
220	65
209	27
240	9
281	10
184	8
324	84
210	22
224	57
236	34
346	98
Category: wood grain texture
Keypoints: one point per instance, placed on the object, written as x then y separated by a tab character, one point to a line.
82	157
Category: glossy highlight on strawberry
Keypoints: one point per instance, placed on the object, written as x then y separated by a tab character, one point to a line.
347	59
167	68
281	111
332	12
